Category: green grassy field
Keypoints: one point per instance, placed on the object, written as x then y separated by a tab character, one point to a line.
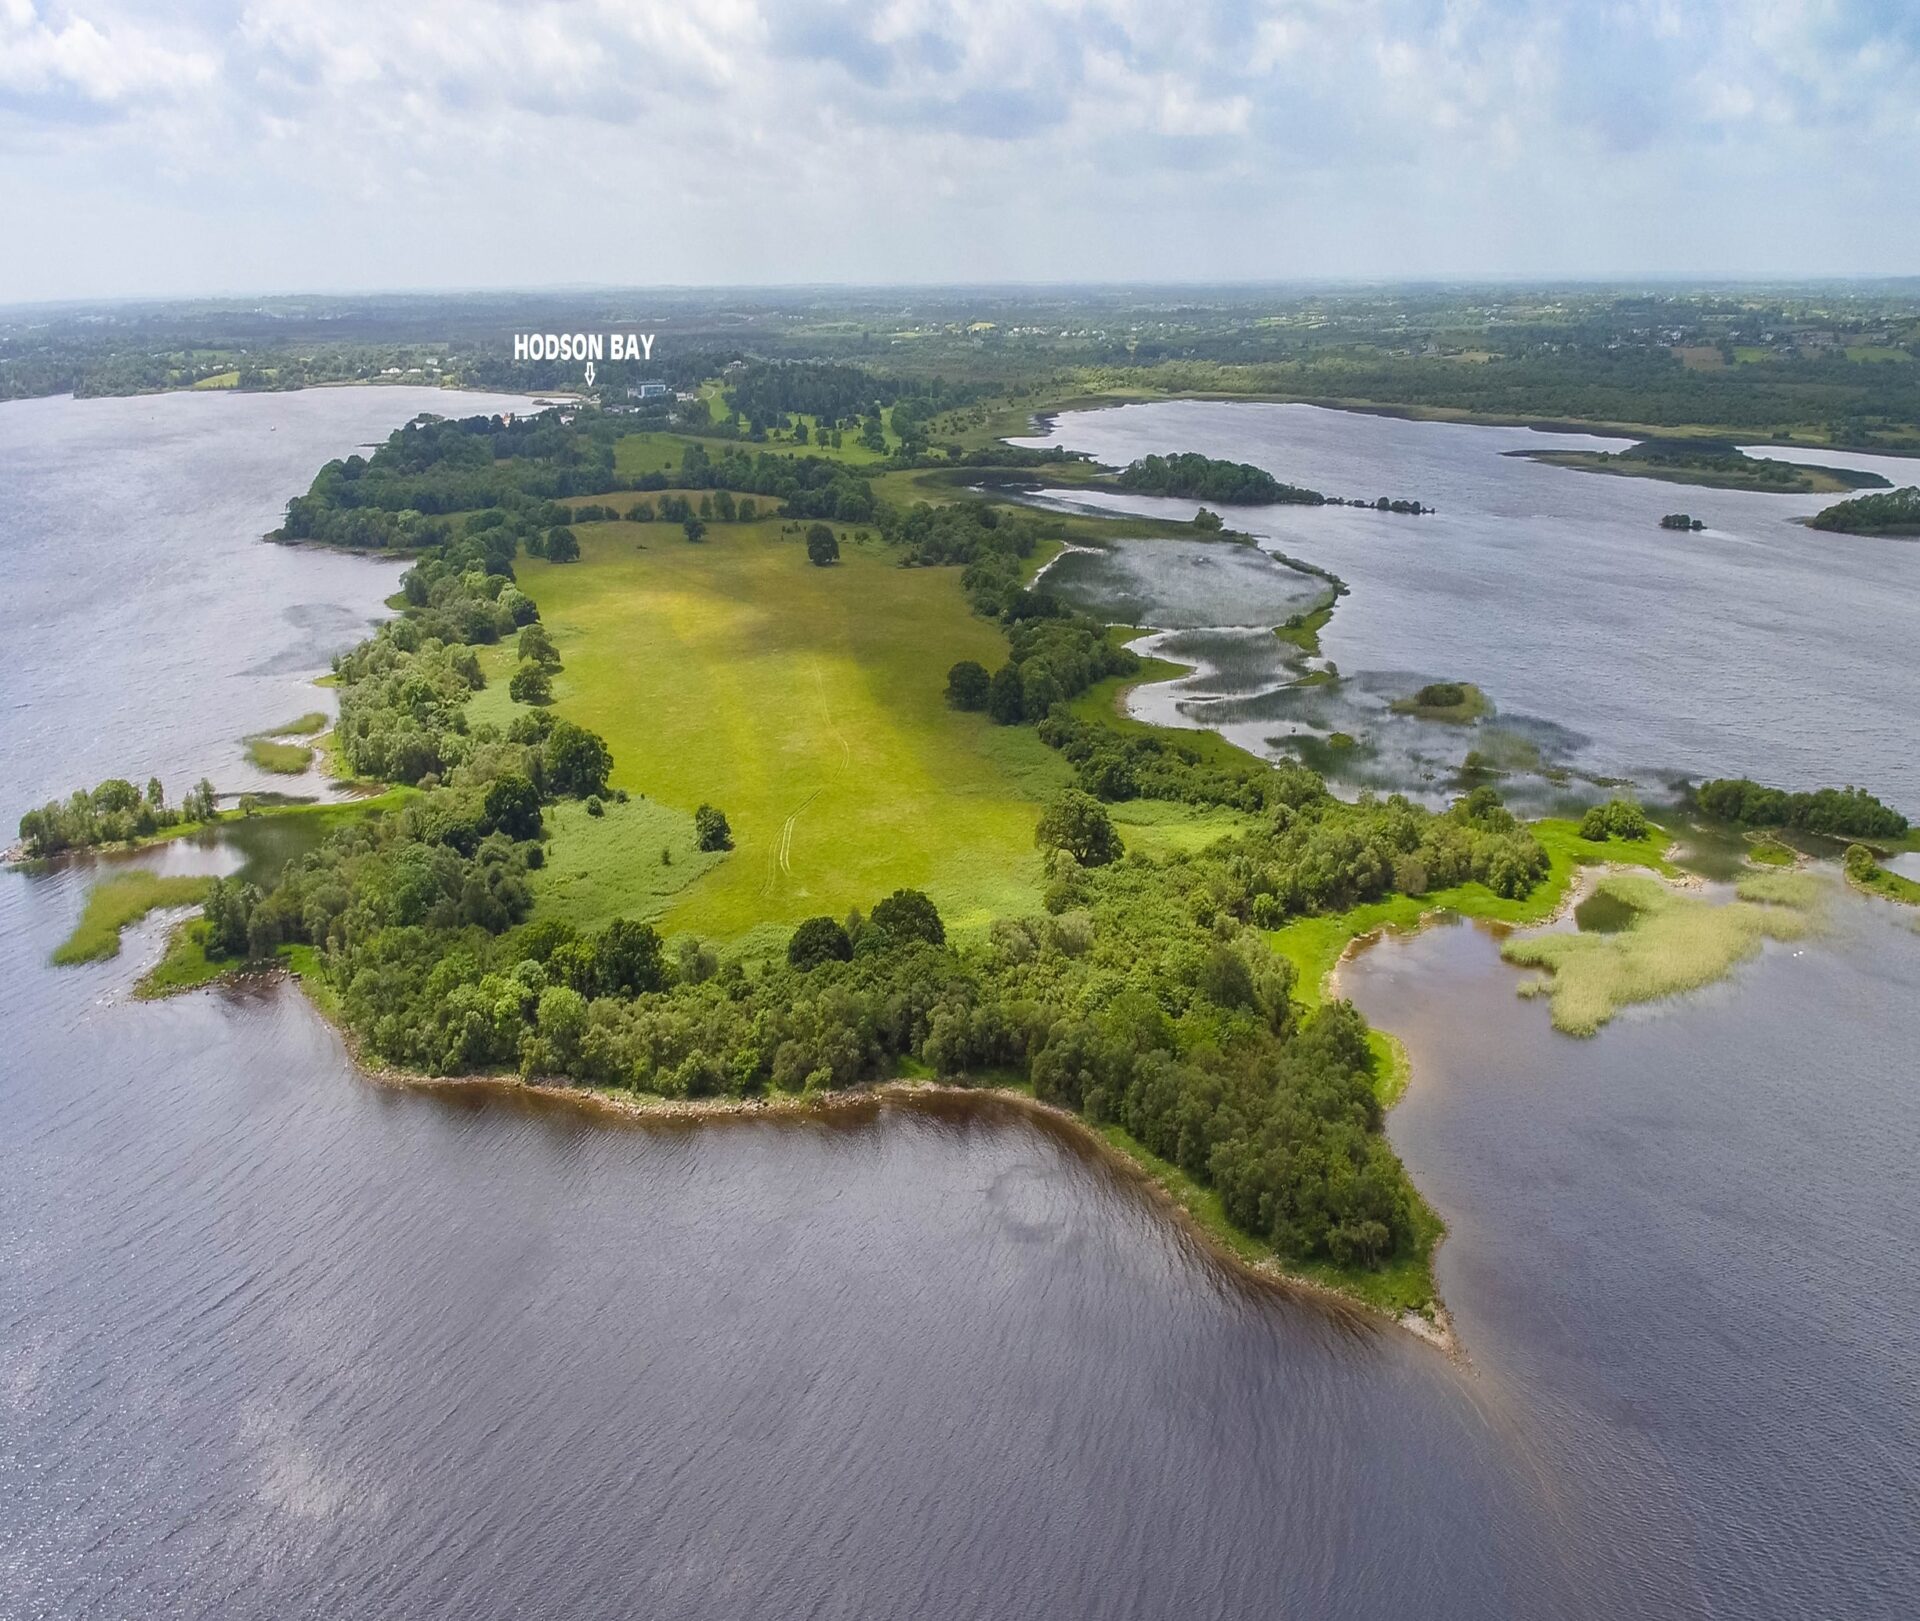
602	867
652	451
806	703
124	898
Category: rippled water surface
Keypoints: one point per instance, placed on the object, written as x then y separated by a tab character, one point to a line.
1689	1249
275	1341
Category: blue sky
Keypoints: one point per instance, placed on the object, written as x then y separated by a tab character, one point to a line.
222	145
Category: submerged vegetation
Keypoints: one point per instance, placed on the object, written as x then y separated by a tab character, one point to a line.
287	759
1675	942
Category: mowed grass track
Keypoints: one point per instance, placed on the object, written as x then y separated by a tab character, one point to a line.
807	703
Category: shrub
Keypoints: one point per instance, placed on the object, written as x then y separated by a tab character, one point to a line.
1616	819
710	829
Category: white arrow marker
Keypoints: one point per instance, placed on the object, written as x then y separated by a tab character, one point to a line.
589	374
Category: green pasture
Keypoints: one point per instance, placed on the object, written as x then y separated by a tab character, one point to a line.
808	704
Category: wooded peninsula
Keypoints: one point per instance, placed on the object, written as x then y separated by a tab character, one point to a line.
731	752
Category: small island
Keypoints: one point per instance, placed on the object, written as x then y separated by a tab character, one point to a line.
1712	463
1682	520
1207	478
1895	513
1457	702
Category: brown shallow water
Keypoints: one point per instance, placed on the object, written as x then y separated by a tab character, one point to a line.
281	1341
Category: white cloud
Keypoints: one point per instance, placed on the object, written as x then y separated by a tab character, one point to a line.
45	54
765	140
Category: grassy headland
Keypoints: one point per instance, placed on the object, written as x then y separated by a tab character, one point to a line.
119	900
1896	513
743	730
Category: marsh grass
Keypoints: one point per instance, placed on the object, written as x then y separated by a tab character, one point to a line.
1314	945
286	759
115	902
1675	943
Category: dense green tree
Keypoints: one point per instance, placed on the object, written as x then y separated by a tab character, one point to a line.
629	959
228	911
818	940
1079	824
1005	700
967	685
536	644
531	685
563	546
822	547
576	761
905	916
513	807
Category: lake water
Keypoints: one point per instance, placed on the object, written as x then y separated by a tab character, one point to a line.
275	1341
148	630
1611	648
1689	1250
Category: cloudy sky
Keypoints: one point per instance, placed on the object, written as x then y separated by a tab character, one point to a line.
253	145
